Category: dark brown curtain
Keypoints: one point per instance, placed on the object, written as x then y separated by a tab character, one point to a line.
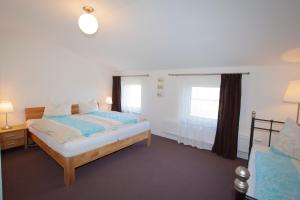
116	94
226	138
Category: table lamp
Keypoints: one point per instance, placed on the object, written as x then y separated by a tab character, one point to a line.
6	107
292	94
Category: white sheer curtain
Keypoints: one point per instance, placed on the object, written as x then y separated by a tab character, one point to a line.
131	94
197	124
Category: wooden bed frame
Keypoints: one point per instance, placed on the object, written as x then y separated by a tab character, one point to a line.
71	163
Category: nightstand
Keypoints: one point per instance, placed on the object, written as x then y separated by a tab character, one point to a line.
14	137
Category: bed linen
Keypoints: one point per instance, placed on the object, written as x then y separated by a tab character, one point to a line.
85	127
276	177
82	125
124	118
264	156
252	168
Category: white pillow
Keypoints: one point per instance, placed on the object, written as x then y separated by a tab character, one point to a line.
87	107
291	128
288	141
58	110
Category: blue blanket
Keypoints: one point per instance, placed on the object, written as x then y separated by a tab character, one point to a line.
121	117
86	128
276	177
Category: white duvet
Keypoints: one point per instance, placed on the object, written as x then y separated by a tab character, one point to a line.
62	133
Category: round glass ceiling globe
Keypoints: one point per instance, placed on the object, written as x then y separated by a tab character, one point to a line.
88	24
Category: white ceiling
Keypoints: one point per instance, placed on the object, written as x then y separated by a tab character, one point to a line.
156	34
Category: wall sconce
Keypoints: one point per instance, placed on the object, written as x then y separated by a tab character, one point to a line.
88	22
160	87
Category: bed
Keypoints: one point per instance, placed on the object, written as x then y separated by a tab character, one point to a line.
79	151
274	175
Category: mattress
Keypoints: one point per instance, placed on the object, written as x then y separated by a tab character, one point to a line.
82	145
251	167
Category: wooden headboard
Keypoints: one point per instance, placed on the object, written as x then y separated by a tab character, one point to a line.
37	112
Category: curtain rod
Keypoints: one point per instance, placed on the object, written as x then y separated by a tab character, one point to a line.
207	74
139	75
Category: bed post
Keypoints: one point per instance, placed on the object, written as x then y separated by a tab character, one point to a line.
240	183
251	132
69	172
149	139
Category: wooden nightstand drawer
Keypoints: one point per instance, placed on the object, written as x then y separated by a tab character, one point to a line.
12	143
11	135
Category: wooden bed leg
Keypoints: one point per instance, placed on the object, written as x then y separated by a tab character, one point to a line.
149	139
69	173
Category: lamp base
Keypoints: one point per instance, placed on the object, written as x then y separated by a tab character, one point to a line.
6	127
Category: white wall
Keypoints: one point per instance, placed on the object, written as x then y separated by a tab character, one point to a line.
262	91
35	71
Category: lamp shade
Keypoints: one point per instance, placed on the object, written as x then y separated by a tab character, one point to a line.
88	23
6	107
292	94
108	100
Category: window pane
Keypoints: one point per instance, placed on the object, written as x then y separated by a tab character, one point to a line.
205	93
131	98
205	102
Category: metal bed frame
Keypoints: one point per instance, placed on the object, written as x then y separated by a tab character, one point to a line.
254	127
270	130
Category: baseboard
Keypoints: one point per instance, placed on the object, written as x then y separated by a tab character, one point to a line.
165	135
243	155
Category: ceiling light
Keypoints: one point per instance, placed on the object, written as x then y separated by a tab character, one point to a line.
88	22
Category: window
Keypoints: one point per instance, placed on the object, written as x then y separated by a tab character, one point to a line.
131	97
205	102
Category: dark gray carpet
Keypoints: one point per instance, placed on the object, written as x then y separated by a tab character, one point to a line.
165	170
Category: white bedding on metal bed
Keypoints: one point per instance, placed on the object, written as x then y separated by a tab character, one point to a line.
251	167
85	144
